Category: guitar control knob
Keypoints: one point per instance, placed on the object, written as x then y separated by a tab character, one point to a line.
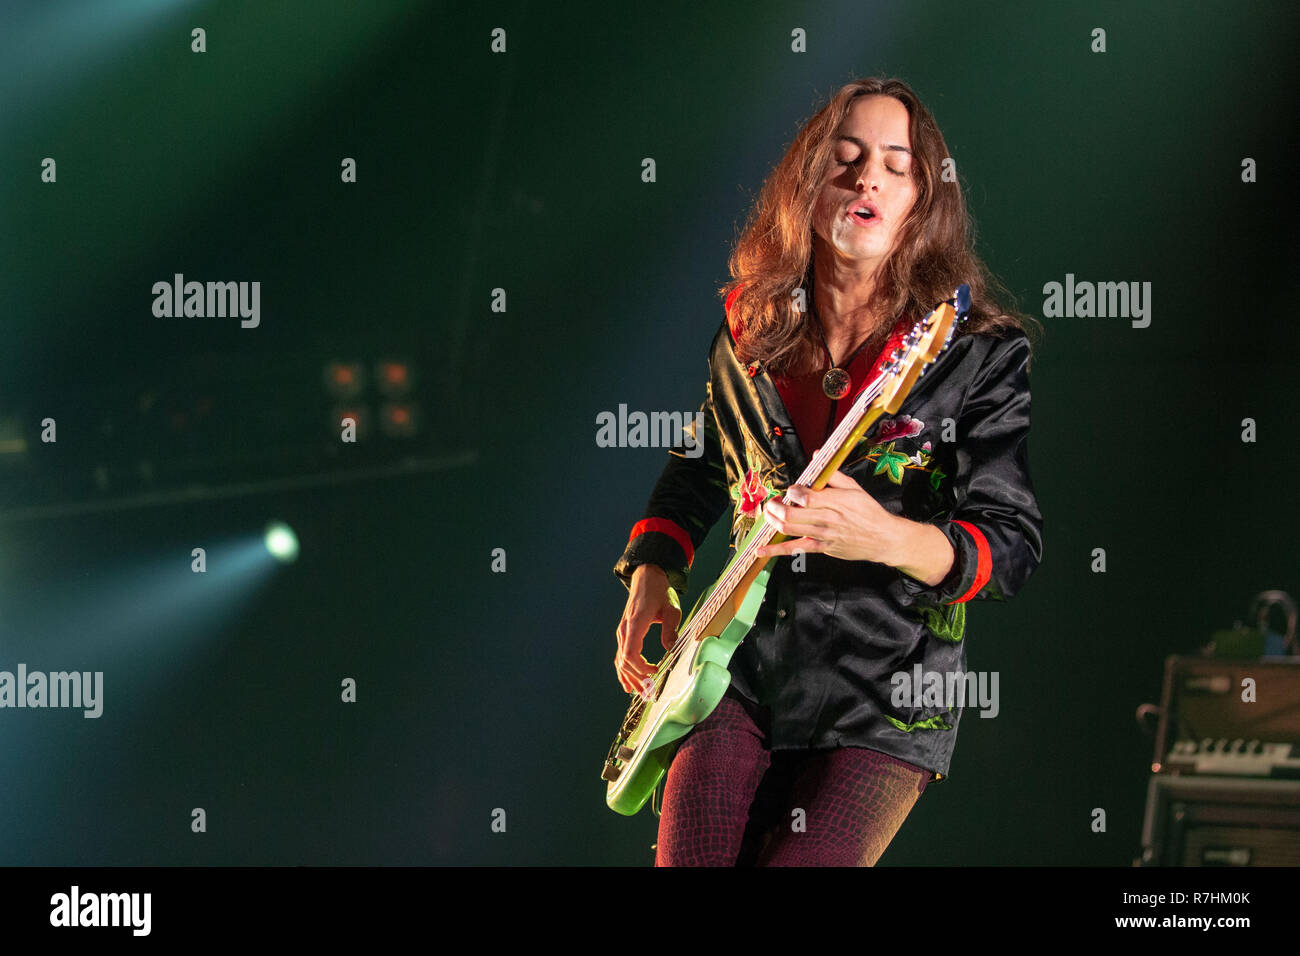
625	753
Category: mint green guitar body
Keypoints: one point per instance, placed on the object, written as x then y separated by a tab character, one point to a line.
648	740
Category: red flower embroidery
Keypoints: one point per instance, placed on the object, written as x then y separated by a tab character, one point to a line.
752	493
905	426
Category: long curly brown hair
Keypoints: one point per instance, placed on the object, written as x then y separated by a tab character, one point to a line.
932	256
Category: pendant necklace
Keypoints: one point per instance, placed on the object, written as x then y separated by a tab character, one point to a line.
837	382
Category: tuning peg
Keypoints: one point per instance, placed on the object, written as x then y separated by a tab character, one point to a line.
963	299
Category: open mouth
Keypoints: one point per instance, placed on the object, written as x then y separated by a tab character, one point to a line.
863	212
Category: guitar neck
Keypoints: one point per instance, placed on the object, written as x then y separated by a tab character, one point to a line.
885	393
864	413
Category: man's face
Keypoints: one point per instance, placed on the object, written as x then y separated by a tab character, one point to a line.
872	163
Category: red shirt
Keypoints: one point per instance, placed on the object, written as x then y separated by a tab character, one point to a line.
814	415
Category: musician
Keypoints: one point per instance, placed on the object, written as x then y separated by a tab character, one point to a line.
819	749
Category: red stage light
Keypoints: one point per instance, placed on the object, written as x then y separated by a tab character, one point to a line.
344	379
393	376
400	421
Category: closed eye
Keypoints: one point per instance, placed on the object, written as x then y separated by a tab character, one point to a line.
854	163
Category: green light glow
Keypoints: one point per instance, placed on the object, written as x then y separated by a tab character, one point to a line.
281	541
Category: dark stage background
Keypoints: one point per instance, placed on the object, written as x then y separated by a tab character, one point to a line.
477	690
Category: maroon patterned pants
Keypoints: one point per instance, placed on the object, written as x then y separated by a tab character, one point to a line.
729	801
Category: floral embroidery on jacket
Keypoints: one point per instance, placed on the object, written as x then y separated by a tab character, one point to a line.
749	493
947	623
936	722
904	426
891	462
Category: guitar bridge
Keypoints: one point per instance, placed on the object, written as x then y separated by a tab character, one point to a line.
611	769
618	754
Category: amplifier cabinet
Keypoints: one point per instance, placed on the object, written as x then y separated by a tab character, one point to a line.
1221	821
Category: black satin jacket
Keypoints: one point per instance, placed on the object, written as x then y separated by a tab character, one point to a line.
824	656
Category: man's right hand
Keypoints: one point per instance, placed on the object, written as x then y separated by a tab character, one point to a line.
649	601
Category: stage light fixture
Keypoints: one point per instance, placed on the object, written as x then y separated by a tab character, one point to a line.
345	379
281	542
394	377
400	420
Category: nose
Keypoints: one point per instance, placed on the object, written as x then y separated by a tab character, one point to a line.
866	180
869	177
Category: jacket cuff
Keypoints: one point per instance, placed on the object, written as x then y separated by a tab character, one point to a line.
660	542
972	568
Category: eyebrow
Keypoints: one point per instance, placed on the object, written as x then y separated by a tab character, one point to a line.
863	146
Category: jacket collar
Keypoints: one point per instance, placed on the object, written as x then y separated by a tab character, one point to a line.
780	440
